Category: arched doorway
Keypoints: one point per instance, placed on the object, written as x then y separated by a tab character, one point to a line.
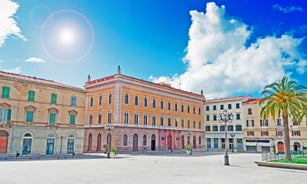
26	144
280	147
153	142
135	142
50	144
296	146
71	144
89	144
3	141
98	143
182	142
194	142
169	141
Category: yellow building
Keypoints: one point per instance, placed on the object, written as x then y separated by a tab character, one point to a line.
145	115
267	135
40	116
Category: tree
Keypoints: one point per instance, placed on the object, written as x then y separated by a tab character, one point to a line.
284	99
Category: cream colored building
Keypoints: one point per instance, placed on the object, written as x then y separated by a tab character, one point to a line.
215	130
267	135
40	116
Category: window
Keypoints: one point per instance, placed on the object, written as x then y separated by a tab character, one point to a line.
278	122
99	118
194	110
169	121
29	116
176	122
249	111
153	121
5	92
295	123
91	102
145	119
238	116
207	118
199	125
250	133
264	123
161	121
214	107
52	118
296	133
72	119
194	124
126	118
136	119
31	95
176	107
125	140
208	128
90	119
222	107
250	123
182	108
229	106
237	106
5	115
73	101
109	117
264	133
230	127
199	111
215	128
70	144
145	102
153	103
207	108
188	109
144	140
279	133
110	99
222	128
126	99
136	100
216	143
214	117
53	98
208	143
169	106
189	124
161	105
182	123
238	127
100	101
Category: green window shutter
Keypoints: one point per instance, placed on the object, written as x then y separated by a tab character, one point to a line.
52	118
53	98
9	113
29	117
31	95
73	101
72	119
5	92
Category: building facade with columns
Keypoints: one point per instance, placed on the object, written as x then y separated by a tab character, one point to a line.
39	116
215	130
267	135
146	116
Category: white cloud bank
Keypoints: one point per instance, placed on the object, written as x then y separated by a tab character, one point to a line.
16	70
35	60
8	25
287	9
219	62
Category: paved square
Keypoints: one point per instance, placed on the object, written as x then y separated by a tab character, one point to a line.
170	169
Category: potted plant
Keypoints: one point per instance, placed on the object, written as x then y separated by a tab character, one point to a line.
188	149
105	147
113	152
235	149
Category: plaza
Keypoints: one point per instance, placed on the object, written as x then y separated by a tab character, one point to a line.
170	168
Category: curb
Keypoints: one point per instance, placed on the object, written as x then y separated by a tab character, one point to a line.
282	165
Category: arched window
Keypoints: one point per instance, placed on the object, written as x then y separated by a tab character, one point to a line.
125	140
109	117
99	142
169	122
189	124
145	119
188	109
136	100
136	119
193	110
145	102
126	118
199	125
100	100
90	139
161	104
182	108
91	102
153	103
194	124
169	106
176	108
126	99
199	111
199	140
110	98
144	140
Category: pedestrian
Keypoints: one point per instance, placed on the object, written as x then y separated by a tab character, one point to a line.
17	154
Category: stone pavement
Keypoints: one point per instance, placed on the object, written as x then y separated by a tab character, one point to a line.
151	168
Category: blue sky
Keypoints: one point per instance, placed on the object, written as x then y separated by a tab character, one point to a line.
226	48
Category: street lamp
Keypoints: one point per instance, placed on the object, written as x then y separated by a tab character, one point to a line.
225	117
109	127
61	145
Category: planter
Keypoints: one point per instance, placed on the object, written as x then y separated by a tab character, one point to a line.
113	155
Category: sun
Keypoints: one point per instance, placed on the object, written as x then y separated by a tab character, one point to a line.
67	36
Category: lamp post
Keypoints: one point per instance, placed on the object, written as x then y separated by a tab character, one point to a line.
61	145
225	117
232	135
273	143
109	127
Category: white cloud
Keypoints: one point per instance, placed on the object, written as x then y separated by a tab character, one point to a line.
287	9
35	60
219	62
16	70
8	25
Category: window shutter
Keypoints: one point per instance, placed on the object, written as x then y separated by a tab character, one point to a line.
72	119
9	112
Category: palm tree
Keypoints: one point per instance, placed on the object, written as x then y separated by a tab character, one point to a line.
287	100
